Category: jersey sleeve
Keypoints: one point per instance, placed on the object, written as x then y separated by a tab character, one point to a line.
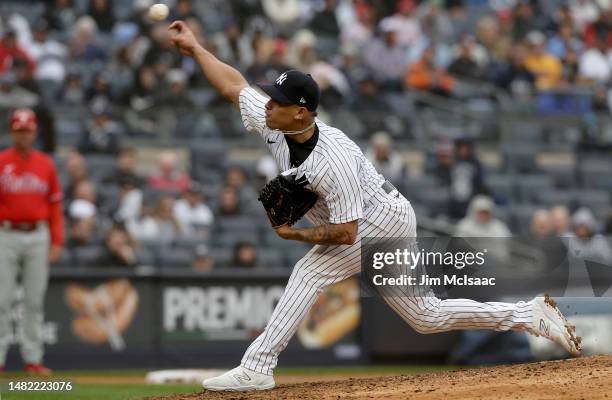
253	110
344	198
56	216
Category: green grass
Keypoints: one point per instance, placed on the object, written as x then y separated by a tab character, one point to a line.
106	392
87	391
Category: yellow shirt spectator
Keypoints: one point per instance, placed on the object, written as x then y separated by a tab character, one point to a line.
546	68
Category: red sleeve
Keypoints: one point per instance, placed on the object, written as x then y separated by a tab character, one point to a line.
56	215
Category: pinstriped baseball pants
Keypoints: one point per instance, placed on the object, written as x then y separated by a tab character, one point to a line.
326	265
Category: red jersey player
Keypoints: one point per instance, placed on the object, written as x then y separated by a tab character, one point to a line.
31	234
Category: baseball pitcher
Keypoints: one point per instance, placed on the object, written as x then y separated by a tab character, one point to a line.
353	202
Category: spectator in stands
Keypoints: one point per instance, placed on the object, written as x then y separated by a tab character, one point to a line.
361	30
236	178
130	200
73	92
82	213
563	41
465	178
14	96
76	171
168	176
10	51
544	66
61	15
100	91
125	167
370	106
120	247
608	225
202	261
524	20
265	170
83	43
229	202
514	77
386	58
385	159
466	65
102	12
542	236
407	23
282	12
192	214
598	22
489	33
588	244
595	64
102	134
268	67
141	114
183	10
244	255
560	220
324	22
176	94
425	75
50	55
159	224
480	222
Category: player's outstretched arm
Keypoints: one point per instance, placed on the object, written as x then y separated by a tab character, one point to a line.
226	79
328	234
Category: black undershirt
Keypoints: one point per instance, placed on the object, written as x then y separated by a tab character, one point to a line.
299	152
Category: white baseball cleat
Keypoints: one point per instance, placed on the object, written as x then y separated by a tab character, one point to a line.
239	379
551	324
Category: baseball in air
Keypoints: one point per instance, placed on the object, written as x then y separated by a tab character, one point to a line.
158	12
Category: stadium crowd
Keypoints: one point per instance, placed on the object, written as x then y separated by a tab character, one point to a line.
100	72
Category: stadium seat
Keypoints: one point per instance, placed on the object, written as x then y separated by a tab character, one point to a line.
88	256
562	175
554	197
237	223
527	132
348	122
520	217
502	186
528	186
221	255
593	199
175	258
207	158
519	158
270	258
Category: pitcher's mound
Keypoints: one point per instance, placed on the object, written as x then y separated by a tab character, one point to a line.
581	378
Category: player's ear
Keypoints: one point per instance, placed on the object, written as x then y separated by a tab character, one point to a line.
300	114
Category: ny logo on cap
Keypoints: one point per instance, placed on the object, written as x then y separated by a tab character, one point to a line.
281	79
303	100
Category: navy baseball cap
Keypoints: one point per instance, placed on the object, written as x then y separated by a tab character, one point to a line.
294	87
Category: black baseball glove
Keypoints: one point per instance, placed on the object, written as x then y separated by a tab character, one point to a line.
286	200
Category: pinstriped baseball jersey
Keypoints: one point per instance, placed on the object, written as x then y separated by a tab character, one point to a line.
336	169
350	189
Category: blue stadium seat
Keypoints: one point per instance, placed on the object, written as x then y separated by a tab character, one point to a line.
221	255
593	199
502	186
528	186
270	258
237	223
87	256
175	258
554	197
519	157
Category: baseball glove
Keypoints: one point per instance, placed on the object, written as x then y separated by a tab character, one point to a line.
286	200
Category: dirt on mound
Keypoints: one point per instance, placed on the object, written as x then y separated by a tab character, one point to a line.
587	378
